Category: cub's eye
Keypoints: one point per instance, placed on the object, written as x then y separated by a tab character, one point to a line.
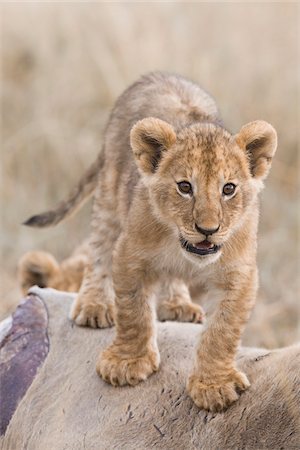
185	187
229	189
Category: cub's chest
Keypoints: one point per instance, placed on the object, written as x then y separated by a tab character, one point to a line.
171	261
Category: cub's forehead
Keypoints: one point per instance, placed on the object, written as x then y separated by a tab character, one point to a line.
206	150
209	149
205	137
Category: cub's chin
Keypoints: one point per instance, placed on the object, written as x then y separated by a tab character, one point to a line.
203	253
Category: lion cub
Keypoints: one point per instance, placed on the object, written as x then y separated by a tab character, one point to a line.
176	200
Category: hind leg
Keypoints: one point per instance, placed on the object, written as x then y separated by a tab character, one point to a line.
94	305
175	303
71	273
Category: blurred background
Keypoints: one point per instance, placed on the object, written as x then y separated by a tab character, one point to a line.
63	66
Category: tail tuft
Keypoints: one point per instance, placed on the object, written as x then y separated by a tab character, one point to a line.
41	220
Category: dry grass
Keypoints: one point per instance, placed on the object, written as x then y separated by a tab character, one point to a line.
63	66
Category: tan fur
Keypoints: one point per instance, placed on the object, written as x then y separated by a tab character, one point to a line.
41	269
140	216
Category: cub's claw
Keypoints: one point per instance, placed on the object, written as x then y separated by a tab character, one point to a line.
182	312
95	315
119	371
217	396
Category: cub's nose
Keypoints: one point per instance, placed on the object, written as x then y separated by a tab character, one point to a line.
206	231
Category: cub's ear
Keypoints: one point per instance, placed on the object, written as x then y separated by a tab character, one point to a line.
259	140
149	138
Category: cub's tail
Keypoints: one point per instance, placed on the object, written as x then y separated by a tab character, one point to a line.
77	198
37	268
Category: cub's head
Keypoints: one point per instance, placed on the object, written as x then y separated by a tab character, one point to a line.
203	181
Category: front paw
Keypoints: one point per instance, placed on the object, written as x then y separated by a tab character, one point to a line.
182	312
217	395
119	370
92	314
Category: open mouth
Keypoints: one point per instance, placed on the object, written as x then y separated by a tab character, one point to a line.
200	248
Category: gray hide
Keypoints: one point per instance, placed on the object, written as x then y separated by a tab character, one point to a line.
68	407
